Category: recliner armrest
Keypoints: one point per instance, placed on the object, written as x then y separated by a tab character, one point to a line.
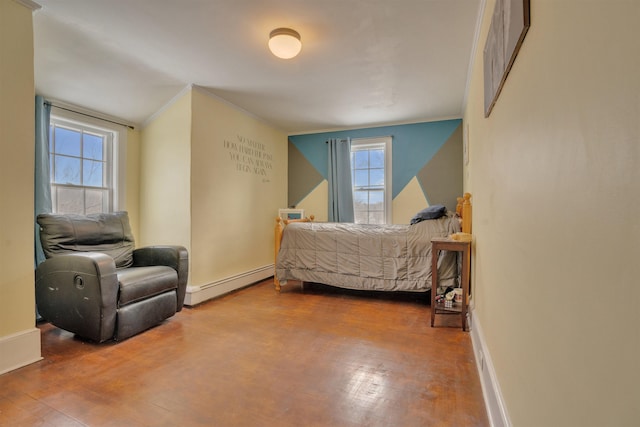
172	256
79	292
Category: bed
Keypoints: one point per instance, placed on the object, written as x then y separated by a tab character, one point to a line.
369	257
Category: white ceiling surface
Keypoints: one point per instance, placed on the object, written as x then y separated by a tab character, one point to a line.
363	62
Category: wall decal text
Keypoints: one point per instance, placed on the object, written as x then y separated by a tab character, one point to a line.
250	156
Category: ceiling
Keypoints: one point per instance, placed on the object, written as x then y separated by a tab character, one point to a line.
363	62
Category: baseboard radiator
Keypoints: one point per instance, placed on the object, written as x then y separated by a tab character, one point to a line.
198	294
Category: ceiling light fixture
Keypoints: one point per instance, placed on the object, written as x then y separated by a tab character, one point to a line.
284	43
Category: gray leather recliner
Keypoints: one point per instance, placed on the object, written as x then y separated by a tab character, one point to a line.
96	285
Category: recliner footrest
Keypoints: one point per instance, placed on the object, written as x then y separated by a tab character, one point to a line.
135	318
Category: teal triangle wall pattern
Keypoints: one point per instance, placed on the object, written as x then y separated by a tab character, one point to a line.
414	145
303	176
441	177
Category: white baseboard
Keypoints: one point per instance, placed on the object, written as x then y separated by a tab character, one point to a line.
198	294
20	349
496	408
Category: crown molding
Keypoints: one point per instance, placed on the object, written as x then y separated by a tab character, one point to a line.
474	49
29	4
162	109
208	92
378	125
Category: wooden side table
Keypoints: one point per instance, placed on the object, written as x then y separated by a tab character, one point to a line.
446	244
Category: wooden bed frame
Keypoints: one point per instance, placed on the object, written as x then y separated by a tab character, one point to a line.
463	209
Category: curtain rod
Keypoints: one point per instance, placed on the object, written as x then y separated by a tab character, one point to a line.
367	137
89	115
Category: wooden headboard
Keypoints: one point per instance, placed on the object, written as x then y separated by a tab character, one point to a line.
463	209
280	223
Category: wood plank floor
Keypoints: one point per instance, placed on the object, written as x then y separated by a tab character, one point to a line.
309	356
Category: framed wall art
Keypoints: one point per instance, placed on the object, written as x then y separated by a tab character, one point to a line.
291	213
509	25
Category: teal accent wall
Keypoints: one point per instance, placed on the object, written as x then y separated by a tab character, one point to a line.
414	145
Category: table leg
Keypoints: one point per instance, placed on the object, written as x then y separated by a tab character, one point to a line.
434	283
466	263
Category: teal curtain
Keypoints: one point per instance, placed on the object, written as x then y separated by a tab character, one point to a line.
339	177
42	190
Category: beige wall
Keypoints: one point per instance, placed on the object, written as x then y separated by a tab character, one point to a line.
315	203
132	180
165	176
410	201
194	192
17	315
555	177
238	182
16	168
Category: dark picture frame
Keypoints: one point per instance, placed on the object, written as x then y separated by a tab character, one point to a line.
509	24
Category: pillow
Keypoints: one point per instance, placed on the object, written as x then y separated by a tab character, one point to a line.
432	212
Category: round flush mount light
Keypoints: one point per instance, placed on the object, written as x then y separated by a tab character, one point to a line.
285	43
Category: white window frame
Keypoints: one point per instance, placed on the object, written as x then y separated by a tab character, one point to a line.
117	150
384	142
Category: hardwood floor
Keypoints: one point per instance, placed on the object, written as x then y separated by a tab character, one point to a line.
305	357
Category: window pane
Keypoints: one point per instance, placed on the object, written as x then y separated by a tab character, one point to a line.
81	167
361	178
93	147
376	217
70	200
67	170
376	197
361	159
92	173
376	159
377	177
67	142
361	197
361	217
368	164
94	200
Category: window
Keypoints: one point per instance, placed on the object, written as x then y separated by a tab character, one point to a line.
83	166
371	178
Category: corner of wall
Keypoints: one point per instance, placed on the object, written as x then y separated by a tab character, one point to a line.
19	340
